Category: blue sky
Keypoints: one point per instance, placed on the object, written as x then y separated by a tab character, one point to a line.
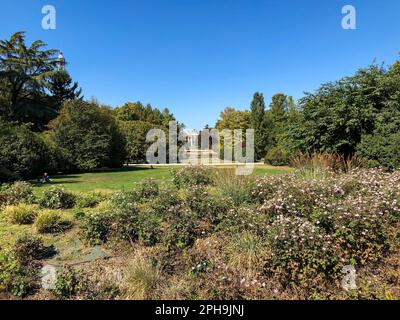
197	57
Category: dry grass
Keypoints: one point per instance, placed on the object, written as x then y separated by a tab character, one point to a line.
315	165
237	188
142	278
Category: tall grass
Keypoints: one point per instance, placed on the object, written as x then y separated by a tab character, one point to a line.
237	188
315	165
142	278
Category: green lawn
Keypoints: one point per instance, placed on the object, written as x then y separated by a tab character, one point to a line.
124	179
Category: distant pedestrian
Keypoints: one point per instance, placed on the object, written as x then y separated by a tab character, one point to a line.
46	178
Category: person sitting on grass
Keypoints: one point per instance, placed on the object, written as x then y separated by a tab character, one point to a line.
46	178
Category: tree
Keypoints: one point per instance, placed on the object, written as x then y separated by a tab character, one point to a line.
86	136
278	110
354	115
233	119
62	89
138	112
293	112
381	146
23	154
258	122
135	134
23	71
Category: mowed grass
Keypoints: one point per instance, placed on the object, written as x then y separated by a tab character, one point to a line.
125	179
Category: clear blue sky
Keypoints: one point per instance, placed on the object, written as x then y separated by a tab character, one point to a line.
197	57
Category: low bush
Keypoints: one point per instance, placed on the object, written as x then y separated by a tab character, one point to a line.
300	252
120	223
244	218
29	248
14	278
21	214
124	199
88	200
181	231
17	192
167	198
206	205
148	188
192	176
57	198
66	283
49	221
277	156
88	282
148	228
96	226
19	267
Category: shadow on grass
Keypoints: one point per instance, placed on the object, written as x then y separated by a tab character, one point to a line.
69	178
124	169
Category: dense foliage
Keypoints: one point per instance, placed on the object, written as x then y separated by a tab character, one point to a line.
23	153
32	86
359	115
86	136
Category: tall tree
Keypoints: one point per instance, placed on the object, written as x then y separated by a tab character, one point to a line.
258	123
23	71
293	112
62	88
336	116
233	119
279	109
86	136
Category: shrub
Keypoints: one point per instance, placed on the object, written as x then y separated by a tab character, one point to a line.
148	188
297	198
206	205
167	198
148	228
124	199
57	198
96	227
14	278
66	283
88	200
362	229
120	223
245	218
28	249
51	222
191	176
181	231
17	192
79	214
86	136
277	156
21	214
23	153
300	251
382	148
